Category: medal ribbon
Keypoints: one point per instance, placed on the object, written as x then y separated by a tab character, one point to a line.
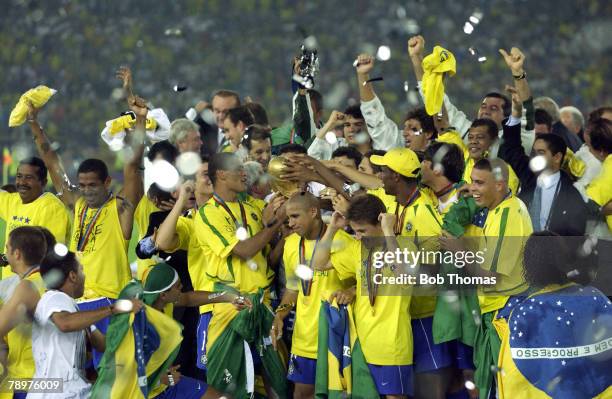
399	221
223	205
307	285
84	238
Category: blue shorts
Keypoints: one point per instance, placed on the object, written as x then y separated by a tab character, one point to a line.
427	355
201	337
302	370
464	355
20	395
188	388
101	325
392	380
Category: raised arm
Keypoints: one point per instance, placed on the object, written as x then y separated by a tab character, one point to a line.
66	191
133	188
77	321
167	238
321	257
416	46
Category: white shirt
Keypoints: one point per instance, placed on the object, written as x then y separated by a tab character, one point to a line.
548	185
58	354
384	132
7	287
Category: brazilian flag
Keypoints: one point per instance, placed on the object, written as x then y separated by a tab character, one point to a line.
342	371
231	335
139	348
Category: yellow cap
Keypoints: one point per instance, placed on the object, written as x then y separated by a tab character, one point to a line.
400	160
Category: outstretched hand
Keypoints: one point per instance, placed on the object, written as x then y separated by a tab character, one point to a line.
125	75
416	46
514	60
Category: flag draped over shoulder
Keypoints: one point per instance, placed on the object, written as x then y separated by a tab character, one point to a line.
342	371
457	311
139	348
230	363
557	343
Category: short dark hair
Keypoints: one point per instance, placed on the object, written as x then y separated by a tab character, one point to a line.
354	111
226	94
555	143
316	99
166	149
365	208
256	133
53	264
260	116
506	106
600	132
94	165
350	153
452	161
375	168
220	161
293	148
240	114
491	126
157	194
541	117
597	113
546	259
41	173
49	237
31	242
426	120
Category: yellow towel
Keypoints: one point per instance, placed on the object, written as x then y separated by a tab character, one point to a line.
573	165
435	65
38	96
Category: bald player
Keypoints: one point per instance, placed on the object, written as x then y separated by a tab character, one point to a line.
304	293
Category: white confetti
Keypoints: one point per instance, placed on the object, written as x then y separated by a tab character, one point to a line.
60	249
310	43
164	174
473	19
304	272
383	53
482	59
253	265
188	163
361	138
537	164
356	63
123	305
468	28
406	87
469	385
242	233
573	273
331	138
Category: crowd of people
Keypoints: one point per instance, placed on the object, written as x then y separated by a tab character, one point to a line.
263	267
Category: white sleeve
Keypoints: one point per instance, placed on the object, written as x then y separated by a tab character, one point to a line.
384	132
456	118
52	303
163	125
527	139
322	150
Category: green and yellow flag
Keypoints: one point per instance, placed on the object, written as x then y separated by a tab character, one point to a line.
139	348
342	371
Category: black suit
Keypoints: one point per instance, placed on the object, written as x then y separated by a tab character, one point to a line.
569	212
572	141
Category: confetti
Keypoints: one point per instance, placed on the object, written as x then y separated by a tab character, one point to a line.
310	43
537	164
356	63
331	138
473	19
164	174
242	233
469	385
473	50
361	138
482	59
253	266
60	249
188	163
383	53
406	86
468	28
178	88
124	305
304	272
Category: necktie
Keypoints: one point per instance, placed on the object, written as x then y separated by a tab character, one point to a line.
535	209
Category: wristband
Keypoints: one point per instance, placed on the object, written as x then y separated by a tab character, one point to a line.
521	76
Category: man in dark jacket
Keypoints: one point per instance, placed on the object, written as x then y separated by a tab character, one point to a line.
554	204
